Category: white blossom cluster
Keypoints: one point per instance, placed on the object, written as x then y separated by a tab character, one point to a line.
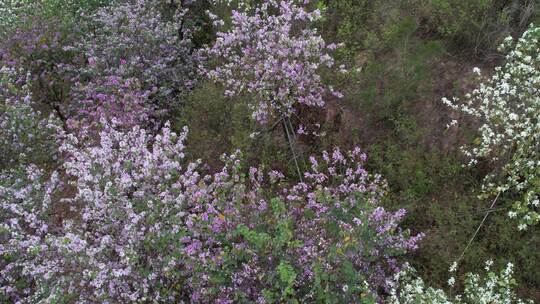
241	4
26	135
9	13
508	106
12	12
492	288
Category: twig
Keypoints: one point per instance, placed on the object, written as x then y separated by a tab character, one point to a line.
295	141
478	229
292	148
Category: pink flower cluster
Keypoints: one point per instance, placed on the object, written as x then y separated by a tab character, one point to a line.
275	57
134	48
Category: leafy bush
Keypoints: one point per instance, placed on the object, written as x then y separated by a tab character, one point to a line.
219	125
479	25
474	26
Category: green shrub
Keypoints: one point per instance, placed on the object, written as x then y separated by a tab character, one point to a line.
478	25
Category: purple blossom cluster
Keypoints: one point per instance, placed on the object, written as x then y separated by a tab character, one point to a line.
120	200
127	219
275	57
112	97
330	230
132	47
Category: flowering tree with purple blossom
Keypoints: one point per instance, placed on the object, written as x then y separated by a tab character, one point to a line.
272	54
120	201
275	57
323	239
126	219
131	46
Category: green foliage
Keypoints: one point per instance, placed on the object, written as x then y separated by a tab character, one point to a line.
451	220
479	25
398	54
220	125
360	24
13	13
287	276
274	238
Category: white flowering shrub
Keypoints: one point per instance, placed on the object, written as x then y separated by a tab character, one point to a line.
26	136
508	106
493	287
13	12
25	220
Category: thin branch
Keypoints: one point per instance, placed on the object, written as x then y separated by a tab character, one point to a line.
292	148
478	229
295	140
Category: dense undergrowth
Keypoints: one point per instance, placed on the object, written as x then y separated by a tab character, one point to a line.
159	151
